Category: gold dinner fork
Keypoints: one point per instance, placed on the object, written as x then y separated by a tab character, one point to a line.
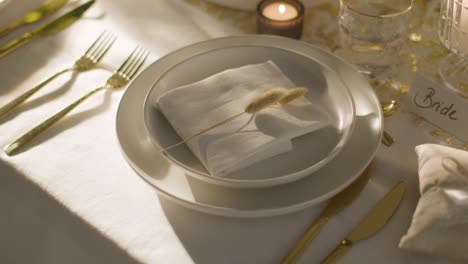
86	62
119	79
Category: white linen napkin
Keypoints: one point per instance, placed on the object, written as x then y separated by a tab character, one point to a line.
440	222
242	141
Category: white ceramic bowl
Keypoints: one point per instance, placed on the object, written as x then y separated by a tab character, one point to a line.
310	152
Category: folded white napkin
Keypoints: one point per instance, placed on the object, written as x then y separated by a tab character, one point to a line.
440	222
238	143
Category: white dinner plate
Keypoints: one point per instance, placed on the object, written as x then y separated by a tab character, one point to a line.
171	181
309	153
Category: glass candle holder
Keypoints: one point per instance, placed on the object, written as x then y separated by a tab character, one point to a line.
453	33
372	31
280	17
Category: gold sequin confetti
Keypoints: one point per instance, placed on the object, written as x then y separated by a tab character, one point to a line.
416	37
437	54
404	87
417	120
399	94
463	86
449	140
436	132
462	147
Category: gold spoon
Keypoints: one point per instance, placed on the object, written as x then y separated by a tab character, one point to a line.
388	109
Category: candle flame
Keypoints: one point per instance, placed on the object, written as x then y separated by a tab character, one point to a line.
281	8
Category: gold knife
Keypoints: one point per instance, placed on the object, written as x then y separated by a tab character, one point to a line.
44	10
373	222
55	26
336	204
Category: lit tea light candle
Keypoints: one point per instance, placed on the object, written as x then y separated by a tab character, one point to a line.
280	17
280	11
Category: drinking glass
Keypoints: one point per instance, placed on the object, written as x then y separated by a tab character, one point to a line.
372	32
453	33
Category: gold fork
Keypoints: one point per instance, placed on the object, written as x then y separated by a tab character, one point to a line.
119	79
89	60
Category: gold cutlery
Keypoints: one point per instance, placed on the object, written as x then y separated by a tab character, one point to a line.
387	139
47	8
55	26
373	222
119	79
88	61
388	109
336	204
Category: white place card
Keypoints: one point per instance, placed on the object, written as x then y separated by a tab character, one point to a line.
440	106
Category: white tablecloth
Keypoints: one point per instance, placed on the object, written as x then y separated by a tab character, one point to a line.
72	198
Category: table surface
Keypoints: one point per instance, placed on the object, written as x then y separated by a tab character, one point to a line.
72	198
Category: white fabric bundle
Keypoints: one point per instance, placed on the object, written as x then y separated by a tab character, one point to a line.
242	141
440	222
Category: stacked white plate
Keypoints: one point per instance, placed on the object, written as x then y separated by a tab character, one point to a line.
319	166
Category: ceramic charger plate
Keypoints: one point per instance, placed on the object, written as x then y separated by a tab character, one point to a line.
173	183
309	152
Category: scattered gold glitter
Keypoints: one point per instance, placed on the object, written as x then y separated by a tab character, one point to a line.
436	132
404	87
463	86
437	54
399	94
449	140
416	37
417	120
